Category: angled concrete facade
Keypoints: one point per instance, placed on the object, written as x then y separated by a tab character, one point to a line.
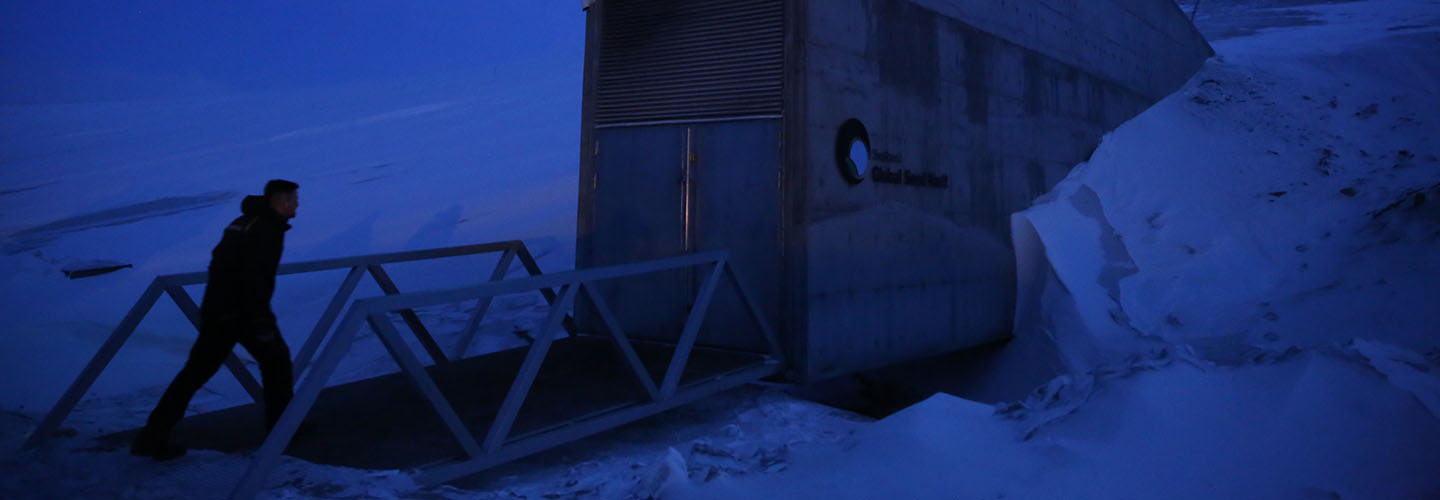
1000	97
972	109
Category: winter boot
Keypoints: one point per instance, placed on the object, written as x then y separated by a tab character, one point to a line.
158	447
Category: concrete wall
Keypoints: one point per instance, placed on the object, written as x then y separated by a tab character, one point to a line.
1148	46
1001	96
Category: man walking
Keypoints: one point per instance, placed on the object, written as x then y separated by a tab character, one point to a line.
235	309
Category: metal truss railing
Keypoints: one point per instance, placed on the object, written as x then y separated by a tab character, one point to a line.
561	290
173	285
498	446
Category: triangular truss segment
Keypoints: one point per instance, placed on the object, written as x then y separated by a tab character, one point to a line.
323	350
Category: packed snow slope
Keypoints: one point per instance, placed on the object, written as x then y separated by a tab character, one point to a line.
1285	198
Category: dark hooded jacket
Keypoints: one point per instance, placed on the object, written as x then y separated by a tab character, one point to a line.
242	266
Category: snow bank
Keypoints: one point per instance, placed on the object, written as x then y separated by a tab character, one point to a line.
1249	209
1318	425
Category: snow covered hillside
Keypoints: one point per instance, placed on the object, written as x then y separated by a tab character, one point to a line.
1243	283
383	167
1278	201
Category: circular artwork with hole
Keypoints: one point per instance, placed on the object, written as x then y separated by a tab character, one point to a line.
852	151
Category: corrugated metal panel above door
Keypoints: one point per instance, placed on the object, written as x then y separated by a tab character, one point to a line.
689	59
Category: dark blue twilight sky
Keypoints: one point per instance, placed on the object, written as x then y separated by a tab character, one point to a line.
56	51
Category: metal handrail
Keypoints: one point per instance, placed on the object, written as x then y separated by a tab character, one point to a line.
497	446
195	278
173	285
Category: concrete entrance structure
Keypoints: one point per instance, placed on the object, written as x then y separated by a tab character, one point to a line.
859	159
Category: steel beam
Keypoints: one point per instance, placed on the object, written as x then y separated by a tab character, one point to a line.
482	306
622	343
420	299
311	266
97	364
756	314
416	372
426	341
265	459
691	331
528	261
327	319
580	429
528	370
533	268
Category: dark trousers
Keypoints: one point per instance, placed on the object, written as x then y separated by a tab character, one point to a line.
217	338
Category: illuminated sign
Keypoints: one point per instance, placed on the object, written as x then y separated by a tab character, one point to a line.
854	157
907	177
852	151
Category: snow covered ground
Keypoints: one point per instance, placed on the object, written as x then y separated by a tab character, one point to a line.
1243	280
382	168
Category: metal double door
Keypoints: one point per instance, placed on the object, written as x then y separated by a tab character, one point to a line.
673	189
